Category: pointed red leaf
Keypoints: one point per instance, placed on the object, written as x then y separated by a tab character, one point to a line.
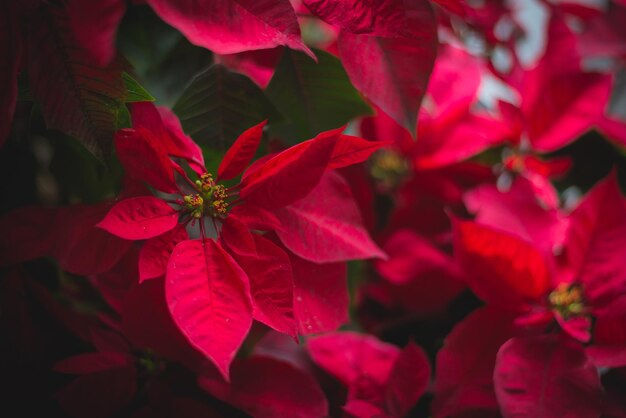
595	246
93	362
320	295
208	297
269	271
464	378
139	218
326	225
388	48
165	127
408	380
544	377
145	158
353	150
229	26
80	246
147	323
290	176
155	253
518	212
349	356
94	23
10	58
501	269
241	152
265	388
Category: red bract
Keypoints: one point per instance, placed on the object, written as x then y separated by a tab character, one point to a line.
215	287
266	387
465	364
546	376
229	26
381	379
397	42
507	271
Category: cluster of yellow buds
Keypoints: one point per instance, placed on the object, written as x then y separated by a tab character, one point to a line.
389	168
567	299
206	182
195	205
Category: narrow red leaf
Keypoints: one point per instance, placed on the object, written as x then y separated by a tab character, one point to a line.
408	380
320	295
326	225
230	26
208	297
94	23
290	176
464	379
595	246
269	271
501	269
388	48
156	252
348	356
546	376
353	150
80	246
265	388
241	152
139	218
145	158
166	129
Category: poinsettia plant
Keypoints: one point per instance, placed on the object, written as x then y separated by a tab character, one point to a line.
313	208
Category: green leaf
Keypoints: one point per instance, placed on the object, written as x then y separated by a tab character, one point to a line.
314	97
76	96
135	92
219	105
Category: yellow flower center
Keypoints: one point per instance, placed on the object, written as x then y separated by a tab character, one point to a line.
210	199
389	168
567	300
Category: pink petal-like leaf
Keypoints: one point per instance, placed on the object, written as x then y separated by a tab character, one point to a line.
265	388
269	270
144	157
155	253
166	129
320	295
230	26
290	176
595	242
408	380
464	379
140	218
326	225
94	23
208	297
348	356
241	152
80	246
501	269
388	48
544	377
147	323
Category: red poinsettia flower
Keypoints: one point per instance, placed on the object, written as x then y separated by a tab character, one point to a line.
509	269
225	275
